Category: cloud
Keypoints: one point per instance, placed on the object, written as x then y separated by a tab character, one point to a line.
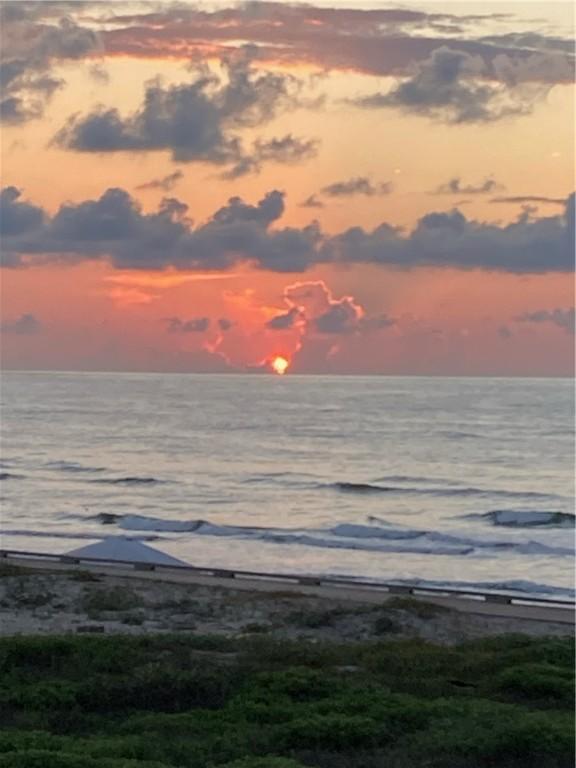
25	325
319	323
522	199
224	324
31	47
166	183
312	202
287	150
562	318
378	41
357	186
114	228
452	86
455	187
314	303
285	320
343	316
16	217
195	325
200	121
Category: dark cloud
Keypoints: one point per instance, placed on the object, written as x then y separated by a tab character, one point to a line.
16	217
455	187
357	186
31	46
287	150
115	228
166	183
313	307
25	325
453	86
384	41
563	318
200	121
527	199
343	316
285	321
312	202
195	325
225	324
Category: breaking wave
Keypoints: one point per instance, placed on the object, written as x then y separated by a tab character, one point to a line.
374	538
510	518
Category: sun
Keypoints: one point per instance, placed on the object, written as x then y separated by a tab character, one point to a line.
279	365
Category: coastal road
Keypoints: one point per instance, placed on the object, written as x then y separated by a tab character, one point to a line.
484	604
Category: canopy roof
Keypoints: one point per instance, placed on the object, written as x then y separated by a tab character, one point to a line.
120	548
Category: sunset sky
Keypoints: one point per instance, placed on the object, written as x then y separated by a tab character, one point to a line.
359	187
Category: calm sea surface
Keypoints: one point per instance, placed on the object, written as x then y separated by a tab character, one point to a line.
459	481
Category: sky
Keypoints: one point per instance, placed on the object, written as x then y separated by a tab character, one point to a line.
356	187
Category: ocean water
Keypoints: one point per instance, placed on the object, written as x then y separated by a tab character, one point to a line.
431	481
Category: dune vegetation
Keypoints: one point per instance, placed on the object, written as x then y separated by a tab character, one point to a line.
167	701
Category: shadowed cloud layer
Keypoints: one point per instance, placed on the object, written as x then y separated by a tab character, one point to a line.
199	121
453	86
115	228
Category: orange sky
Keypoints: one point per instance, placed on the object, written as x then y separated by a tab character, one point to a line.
403	318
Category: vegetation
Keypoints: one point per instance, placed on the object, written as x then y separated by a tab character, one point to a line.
210	702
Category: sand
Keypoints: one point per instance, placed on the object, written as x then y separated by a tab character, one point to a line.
69	600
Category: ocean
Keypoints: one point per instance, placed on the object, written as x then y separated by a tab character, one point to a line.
466	482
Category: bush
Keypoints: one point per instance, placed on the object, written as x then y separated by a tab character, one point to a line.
538	681
332	732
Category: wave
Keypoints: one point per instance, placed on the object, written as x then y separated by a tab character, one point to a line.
129	481
374	538
72	466
70	535
511	518
395	485
349	487
362	487
456	435
522	586
9	476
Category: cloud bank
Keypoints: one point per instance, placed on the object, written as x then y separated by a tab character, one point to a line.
115	228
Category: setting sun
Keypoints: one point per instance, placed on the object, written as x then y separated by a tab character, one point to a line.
279	365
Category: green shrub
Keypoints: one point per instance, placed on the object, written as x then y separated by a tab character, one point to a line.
538	681
263	762
331	731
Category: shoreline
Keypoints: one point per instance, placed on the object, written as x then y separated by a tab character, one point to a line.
50	598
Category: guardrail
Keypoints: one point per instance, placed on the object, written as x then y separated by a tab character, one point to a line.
299	579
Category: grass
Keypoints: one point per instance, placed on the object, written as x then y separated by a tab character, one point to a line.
169	701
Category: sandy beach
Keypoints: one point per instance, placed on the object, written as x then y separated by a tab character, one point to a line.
51	601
